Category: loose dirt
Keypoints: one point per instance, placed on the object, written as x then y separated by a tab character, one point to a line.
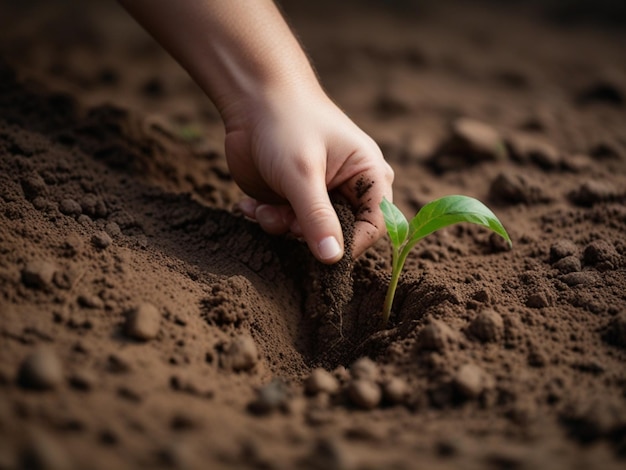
146	324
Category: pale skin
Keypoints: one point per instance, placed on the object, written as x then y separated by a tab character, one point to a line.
287	144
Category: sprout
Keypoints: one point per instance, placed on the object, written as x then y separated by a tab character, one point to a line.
433	216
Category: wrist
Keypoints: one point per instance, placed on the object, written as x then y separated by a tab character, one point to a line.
266	96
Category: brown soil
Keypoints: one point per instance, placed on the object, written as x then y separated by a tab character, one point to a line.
129	289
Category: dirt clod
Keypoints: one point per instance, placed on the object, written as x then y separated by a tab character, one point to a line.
364	368
436	335
562	249
143	322
101	240
395	390
321	381
69	206
41	370
601	253
568	264
488	326
38	274
364	393
241	354
470	380
270	397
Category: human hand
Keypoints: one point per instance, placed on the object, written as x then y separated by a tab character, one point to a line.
287	150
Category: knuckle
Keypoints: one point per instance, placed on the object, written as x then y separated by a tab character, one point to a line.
319	211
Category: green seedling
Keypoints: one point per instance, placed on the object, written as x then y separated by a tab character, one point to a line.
433	216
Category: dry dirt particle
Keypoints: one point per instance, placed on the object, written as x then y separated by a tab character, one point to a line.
241	354
437	336
569	264
41	370
270	397
364	393
321	381
70	207
525	147
365	368
488	326
563	249
143	323
101	240
38	274
601	254
508	188
470	381
395	390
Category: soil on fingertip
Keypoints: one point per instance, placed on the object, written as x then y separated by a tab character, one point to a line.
145	323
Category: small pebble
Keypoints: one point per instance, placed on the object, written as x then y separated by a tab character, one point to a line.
364	368
241	354
515	189
480	139
525	147
113	229
41	370
143	323
569	264
72	245
70	207
601	252
539	300
33	186
488	326
395	390
321	381
93	206
436	335
470	380
578	278
562	249
270	397
591	192
101	240
38	274
364	393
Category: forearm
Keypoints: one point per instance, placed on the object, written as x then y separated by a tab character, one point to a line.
236	50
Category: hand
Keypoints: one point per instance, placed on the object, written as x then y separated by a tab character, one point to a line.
287	150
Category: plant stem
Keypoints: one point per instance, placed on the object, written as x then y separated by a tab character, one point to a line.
397	263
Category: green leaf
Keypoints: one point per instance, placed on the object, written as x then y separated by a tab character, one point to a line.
396	223
450	210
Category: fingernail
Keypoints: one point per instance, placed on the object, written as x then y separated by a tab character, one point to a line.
329	248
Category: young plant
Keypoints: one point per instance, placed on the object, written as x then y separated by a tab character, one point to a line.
433	216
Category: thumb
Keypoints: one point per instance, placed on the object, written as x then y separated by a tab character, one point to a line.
317	218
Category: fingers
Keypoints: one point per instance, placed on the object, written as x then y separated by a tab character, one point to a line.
365	192
316	216
274	219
